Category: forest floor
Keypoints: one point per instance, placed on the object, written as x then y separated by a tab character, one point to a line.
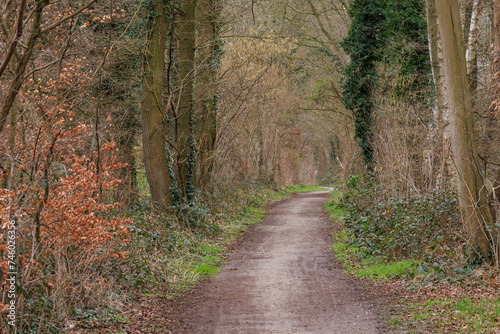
281	277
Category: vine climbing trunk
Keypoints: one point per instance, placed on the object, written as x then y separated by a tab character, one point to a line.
153	114
472	192
362	44
184	119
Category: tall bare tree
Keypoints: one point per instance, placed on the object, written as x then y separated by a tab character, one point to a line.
471	187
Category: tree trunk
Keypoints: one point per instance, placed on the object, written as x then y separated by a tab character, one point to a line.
154	153
472	192
19	34
442	109
206	88
261	175
125	139
495	86
467	16
472	45
9	166
495	82
184	118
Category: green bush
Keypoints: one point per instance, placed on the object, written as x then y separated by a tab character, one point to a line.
419	227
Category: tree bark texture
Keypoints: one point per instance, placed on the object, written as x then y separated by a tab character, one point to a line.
153	115
184	116
442	112
472	192
472	44
495	82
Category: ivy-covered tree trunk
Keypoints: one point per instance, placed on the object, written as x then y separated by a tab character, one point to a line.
153	109
407	49
363	44
207	51
184	118
472	191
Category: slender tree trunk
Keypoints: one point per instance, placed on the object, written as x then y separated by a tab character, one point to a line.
472	44
467	16
126	132
23	61
9	170
442	110
495	85
153	119
18	35
260	154
206	88
495	82
184	118
472	192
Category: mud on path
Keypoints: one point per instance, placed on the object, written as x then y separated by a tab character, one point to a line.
282	278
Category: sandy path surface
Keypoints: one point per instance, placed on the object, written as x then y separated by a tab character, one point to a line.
282	278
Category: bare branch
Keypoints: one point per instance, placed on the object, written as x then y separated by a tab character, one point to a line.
67	17
19	33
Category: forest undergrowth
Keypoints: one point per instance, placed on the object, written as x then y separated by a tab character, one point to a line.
415	248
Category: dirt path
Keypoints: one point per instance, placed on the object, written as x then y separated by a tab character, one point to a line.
282	278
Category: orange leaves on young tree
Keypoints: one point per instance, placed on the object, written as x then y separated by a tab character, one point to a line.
58	188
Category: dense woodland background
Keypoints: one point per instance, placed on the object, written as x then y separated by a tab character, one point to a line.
128	127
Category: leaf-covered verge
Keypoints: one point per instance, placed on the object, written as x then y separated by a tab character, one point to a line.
168	255
414	248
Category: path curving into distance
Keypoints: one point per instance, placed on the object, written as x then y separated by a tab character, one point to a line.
282	278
